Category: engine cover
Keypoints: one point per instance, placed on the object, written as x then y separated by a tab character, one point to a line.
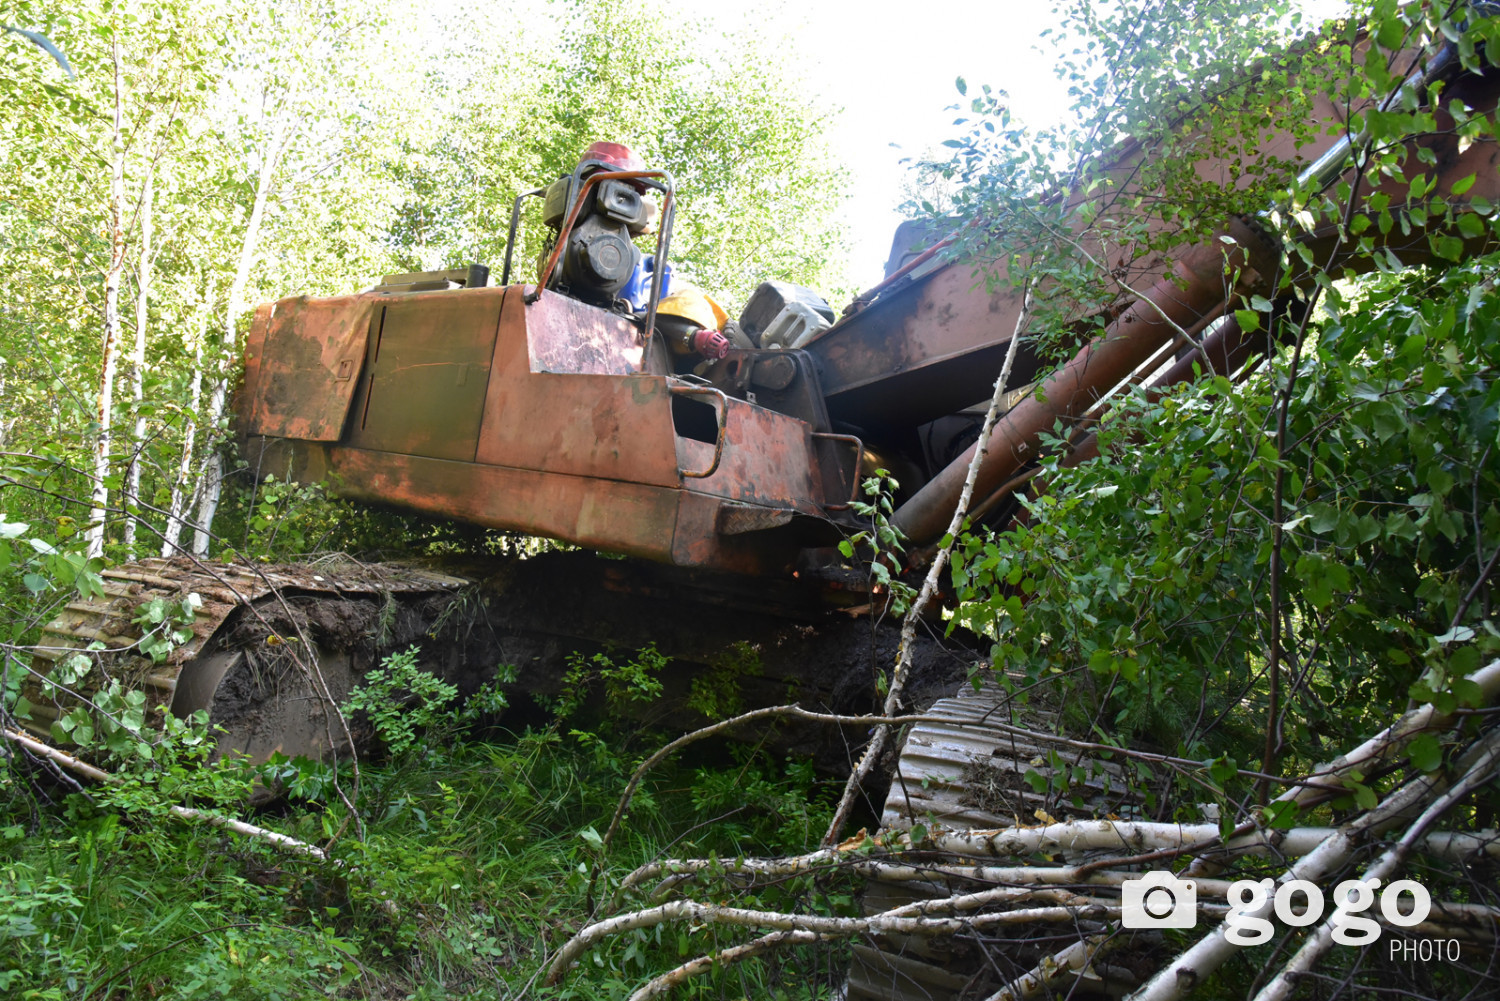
599	259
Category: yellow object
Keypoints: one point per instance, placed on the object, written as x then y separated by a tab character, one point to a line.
692	304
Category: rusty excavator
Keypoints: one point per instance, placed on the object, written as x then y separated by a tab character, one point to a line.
606	406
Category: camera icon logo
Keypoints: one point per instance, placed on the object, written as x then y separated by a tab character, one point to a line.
1158	900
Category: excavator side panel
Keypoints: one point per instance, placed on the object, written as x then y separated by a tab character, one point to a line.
580	423
427	373
767	458
302	363
565	335
632	518
532	417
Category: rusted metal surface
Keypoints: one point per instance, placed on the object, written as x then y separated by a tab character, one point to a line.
428	373
737	519
593	457
606	426
840	473
686	446
565	335
929	347
1228	349
927	350
869	295
933	346
768	458
303	360
621	517
1140	330
768	550
1194	288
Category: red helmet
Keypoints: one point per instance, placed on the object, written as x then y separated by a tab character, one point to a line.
612	156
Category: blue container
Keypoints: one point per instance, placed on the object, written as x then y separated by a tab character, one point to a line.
638	289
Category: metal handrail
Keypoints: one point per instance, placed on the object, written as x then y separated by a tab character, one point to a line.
515	226
859	455
723	414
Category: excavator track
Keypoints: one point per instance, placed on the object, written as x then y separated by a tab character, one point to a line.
246	648
969	773
272	649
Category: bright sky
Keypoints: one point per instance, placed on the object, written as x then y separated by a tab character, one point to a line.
891	68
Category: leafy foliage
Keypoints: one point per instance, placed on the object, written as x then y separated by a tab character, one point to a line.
1261	571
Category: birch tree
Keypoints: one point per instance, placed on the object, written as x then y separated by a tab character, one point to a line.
111	317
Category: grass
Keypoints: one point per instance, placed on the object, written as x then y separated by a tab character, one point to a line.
473	867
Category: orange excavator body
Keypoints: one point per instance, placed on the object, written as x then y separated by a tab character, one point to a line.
539	417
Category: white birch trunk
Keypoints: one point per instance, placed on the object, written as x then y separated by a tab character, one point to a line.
138	365
5	422
213	472
100	496
183	491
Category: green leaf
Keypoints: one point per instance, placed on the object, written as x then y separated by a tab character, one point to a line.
1325	518
1281	815
1449	248
963	88
1248	319
1391	33
1464	184
1222	769
1426	753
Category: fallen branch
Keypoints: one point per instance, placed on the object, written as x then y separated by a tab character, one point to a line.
1059	966
88	771
792	866
1385	743
876	747
665	982
924	917
1078	836
1378	749
1321	850
883	861
1214	949
1481	771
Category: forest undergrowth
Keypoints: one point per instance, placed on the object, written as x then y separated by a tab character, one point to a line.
471	864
